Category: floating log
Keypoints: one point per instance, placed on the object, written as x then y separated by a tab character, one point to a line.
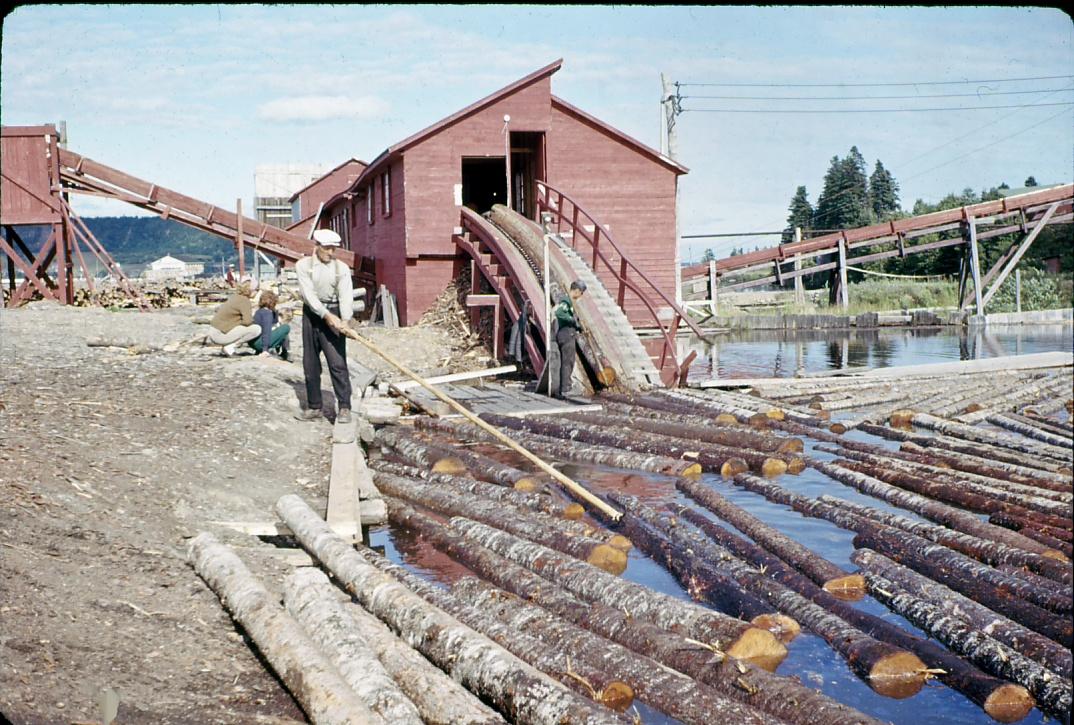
660	687
1063	430
997	697
1013	519
558	534
994	438
439	699
315	604
308	675
1035	579
1053	694
944	487
722	461
1056	539
983	584
576	451
1029	643
823	572
933	510
984	550
1030	431
594	585
515	688
431	456
738	639
889	670
694	427
946	443
582	677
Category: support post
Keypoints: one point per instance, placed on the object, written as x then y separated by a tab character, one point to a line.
240	242
799	289
714	302
975	264
844	295
1018	293
963	272
1013	262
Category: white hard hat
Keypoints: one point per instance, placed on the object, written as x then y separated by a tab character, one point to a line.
326	238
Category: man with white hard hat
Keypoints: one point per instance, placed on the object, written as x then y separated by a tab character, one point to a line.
328	304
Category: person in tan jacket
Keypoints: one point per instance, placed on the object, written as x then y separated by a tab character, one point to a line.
233	323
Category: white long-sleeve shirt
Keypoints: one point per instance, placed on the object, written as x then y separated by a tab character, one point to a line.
322	284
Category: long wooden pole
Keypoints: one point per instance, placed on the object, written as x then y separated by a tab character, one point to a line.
572	485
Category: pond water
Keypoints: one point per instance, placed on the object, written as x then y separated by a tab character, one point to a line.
757	354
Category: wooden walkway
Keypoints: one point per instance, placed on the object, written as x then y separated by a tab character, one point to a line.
493	398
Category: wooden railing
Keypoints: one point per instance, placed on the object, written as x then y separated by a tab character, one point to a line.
595	244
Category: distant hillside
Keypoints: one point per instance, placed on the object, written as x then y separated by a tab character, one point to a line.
135	241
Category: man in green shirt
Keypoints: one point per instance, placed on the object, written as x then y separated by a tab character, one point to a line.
567	335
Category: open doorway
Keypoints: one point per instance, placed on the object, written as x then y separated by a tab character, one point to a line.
527	165
484	183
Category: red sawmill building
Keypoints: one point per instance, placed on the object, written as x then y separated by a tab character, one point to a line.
400	214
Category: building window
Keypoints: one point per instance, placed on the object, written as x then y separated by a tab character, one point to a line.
369	204
386	193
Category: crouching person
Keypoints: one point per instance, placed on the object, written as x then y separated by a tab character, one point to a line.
273	338
233	323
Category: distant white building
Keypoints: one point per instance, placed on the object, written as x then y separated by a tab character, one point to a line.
168	267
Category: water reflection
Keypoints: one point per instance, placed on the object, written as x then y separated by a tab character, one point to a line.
785	353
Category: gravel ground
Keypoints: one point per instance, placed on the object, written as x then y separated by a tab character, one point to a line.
109	463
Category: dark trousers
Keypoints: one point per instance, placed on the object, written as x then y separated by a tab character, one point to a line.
318	337
566	339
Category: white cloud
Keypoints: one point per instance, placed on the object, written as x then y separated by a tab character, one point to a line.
323	108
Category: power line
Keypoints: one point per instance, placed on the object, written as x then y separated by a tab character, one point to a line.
879	98
865	110
870	85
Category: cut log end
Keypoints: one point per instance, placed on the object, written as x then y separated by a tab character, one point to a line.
726	419
901	418
775	414
759	421
607	376
772	467
849	588
450	466
1009	703
608	558
898	675
837	428
972	408
791	445
760	647
816	405
572	511
617	696
796	465
824	415
620	542
1057	555
527	485
692	471
732	467
783	627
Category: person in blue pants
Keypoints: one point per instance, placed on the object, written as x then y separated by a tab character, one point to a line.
273	337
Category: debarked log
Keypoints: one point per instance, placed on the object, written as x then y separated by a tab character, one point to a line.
932	510
309	676
1030	431
1029	643
592	682
823	572
889	670
454	460
660	687
569	537
439	699
316	605
594	585
994	438
979	582
723	461
986	551
576	451
515	688
737	638
1052	693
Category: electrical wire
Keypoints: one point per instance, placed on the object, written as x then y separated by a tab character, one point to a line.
869	85
880	98
866	110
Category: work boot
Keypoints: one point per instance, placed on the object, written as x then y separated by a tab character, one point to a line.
307	414
344	415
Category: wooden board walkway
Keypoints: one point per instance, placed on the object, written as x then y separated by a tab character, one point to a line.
493	398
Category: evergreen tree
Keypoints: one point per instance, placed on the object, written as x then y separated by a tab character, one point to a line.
1031	182
800	214
883	193
843	203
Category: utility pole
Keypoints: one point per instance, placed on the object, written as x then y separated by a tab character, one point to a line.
670	108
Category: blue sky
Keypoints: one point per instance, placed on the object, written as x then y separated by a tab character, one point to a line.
194	97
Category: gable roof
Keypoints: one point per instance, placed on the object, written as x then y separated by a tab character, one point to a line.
396	149
678	168
325	175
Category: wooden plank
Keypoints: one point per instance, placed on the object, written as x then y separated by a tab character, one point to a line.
455	377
